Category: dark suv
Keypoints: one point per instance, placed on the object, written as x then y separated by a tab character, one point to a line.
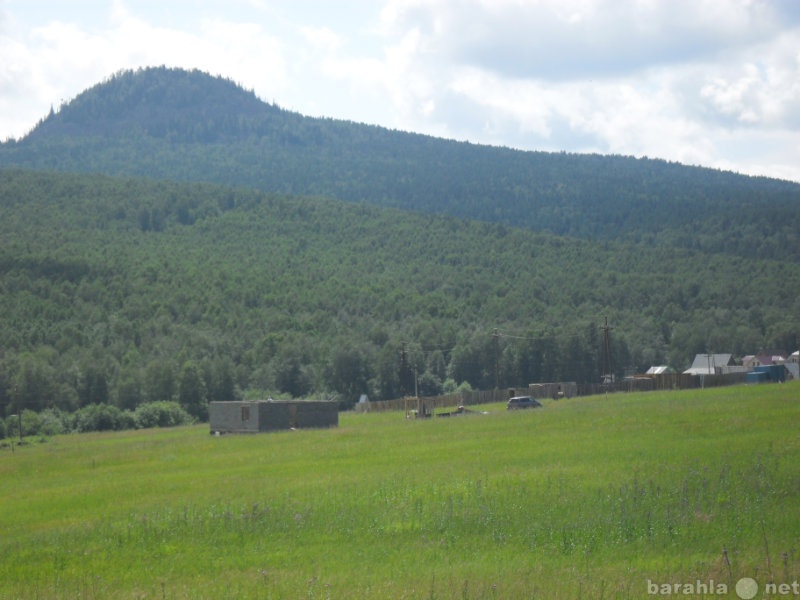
522	402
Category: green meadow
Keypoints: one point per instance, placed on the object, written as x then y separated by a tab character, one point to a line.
599	497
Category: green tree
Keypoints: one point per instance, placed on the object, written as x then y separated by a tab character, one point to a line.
429	384
129	389
347	374
473	361
385	383
159	382
92	385
35	385
192	394
290	373
220	380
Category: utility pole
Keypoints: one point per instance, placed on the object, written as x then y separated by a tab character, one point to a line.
19	413
608	367
403	369
496	359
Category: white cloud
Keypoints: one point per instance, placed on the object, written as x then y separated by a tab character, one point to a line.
553	39
677	80
760	89
323	38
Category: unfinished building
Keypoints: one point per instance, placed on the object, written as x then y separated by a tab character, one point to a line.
271	415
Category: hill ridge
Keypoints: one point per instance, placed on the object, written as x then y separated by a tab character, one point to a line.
210	129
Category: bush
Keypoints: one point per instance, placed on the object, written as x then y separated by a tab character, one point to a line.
98	417
450	387
161	414
429	384
53	422
127	420
95	417
31	422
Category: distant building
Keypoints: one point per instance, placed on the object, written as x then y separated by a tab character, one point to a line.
659	370
751	361
710	364
271	415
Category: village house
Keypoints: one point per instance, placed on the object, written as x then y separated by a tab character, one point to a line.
752	361
711	364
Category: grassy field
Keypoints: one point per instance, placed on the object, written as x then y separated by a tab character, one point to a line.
600	497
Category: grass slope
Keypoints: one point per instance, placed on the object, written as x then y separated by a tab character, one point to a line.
590	497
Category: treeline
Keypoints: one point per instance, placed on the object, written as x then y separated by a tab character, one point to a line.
179	125
122	292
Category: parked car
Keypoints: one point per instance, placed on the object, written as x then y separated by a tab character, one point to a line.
522	402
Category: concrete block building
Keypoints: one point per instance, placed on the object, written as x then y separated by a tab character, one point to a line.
271	415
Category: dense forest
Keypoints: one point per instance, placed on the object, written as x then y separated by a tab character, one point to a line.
233	249
124	291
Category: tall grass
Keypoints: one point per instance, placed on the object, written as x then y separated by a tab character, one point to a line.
585	498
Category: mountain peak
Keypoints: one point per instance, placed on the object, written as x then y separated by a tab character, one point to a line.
162	102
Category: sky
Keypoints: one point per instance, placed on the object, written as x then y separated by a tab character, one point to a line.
714	83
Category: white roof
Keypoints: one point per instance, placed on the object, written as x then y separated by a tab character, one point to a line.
659	370
706	364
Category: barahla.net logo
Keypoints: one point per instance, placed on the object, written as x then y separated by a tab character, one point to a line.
746	588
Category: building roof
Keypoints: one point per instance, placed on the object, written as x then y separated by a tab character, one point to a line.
764	359
706	364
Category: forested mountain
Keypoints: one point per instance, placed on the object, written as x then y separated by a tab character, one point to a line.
168	235
127	290
189	126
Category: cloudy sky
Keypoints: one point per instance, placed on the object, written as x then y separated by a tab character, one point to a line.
703	82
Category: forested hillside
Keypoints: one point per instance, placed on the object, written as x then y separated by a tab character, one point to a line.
126	290
166	235
188	126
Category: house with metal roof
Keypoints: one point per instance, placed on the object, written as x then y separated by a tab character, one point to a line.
710	364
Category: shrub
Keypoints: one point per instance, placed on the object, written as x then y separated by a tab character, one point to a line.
127	420
451	387
31	422
98	417
161	414
53	422
2	429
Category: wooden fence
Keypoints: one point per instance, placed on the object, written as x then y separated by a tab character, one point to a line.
429	404
668	381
